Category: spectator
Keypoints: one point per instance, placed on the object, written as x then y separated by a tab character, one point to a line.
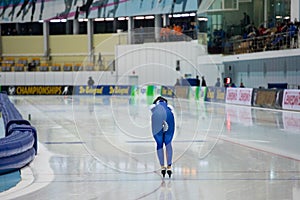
23	31
203	83
252	31
8	31
30	32
262	30
31	66
177	82
292	31
14	32
90	82
218	83
242	85
197	81
100	60
164	34
245	22
140	34
271	23
184	82
178	32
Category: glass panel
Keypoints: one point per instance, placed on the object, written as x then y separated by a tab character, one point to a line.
230	4
225	20
217	5
279	9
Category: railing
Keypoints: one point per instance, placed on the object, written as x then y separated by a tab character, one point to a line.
270	42
147	35
21	63
83	61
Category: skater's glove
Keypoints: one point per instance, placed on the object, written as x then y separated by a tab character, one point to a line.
165	126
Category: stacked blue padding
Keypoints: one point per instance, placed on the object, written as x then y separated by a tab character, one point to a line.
19	146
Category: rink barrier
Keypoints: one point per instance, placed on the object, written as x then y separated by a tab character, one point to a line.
268	98
240	96
37	89
19	146
287	99
216	94
291	99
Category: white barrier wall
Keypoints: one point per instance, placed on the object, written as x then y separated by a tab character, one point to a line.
56	78
157	62
154	62
144	64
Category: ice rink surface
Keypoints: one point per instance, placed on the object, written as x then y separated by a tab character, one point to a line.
102	148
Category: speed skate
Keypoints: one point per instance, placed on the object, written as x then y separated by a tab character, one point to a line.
165	171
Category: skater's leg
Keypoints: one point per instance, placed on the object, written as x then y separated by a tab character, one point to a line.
168	142
160	155
159	148
169	153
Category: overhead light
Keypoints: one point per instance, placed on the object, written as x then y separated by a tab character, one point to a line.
202	19
176	15
121	18
109	19
55	20
287	17
149	17
192	14
278	17
185	15
99	19
41	21
82	20
139	17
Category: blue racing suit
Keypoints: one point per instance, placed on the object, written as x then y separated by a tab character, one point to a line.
163	127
